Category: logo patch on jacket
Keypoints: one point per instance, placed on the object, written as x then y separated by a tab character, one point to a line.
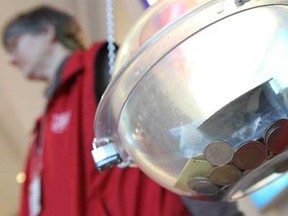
60	121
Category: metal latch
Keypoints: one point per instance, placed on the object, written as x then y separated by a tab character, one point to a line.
105	154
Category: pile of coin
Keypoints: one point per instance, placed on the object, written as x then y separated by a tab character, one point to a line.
219	155
228	165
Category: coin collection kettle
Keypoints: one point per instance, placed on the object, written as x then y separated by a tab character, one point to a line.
199	100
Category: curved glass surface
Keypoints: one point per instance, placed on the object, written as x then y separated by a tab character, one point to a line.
152	21
216	73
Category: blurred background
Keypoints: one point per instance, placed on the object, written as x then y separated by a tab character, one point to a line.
21	102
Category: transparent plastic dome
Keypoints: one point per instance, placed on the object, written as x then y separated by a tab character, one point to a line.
152	21
194	103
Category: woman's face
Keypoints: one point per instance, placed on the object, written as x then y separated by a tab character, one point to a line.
30	53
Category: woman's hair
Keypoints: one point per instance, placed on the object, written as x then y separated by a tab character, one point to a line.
35	21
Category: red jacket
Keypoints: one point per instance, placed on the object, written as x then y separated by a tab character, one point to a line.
71	185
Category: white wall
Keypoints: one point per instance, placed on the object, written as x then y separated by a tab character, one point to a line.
21	101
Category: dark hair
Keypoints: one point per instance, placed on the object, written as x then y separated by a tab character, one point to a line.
67	29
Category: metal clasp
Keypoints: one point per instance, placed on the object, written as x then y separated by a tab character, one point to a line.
105	154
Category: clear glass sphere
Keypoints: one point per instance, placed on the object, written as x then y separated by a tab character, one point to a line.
214	73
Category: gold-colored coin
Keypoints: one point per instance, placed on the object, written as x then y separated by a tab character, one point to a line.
225	175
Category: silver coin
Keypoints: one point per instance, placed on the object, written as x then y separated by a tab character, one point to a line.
203	186
218	153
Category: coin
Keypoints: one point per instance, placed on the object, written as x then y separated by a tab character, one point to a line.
203	185
250	155
277	139
225	175
275	124
218	153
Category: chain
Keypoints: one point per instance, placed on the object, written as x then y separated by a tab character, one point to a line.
110	34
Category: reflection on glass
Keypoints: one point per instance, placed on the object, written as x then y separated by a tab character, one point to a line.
266	194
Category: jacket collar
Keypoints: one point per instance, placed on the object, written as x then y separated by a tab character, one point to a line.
70	67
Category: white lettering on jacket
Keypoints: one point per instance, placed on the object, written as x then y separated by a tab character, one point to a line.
60	121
